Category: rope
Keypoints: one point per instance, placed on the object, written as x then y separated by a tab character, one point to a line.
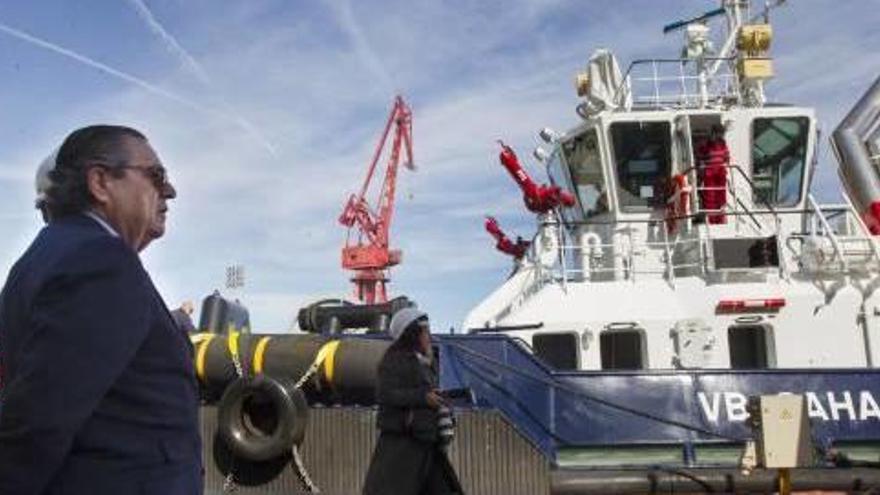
592	398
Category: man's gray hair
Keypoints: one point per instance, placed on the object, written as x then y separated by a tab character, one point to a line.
43	183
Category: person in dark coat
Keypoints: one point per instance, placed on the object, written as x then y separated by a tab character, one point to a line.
409	458
99	395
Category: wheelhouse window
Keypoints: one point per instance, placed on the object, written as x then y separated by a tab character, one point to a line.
559	177
751	347
585	162
642	155
874	144
557	172
559	350
779	151
623	350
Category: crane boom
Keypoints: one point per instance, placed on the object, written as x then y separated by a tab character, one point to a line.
368	253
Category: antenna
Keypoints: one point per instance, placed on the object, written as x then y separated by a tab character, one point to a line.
700	18
768	6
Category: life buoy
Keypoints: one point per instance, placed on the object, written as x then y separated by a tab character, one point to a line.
261	418
678	202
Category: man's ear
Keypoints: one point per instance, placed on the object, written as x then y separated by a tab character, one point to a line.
96	178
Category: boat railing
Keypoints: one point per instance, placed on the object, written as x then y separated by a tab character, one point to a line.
538	274
678	83
623	258
682	244
739	204
840	227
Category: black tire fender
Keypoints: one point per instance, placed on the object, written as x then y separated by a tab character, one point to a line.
262	418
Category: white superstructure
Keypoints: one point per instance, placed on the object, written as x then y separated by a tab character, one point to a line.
661	266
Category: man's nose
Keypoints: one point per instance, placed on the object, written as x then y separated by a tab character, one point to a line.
168	191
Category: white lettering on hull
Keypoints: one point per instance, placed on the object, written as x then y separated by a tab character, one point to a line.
710	411
736	406
814	407
846	405
828	406
868	406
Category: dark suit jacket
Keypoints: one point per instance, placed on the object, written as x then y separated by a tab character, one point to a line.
98	393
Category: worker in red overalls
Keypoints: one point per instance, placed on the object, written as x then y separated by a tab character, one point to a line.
713	158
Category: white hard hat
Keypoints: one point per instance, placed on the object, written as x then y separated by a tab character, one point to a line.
403	319
43	182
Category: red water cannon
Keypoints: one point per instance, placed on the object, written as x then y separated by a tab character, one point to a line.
539	198
503	243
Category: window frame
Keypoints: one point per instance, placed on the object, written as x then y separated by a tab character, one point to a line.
576	339
570	175
769	341
803	183
652	204
643	347
557	159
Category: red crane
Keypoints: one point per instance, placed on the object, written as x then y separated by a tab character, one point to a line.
368	253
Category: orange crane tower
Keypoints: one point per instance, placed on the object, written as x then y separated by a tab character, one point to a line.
368	253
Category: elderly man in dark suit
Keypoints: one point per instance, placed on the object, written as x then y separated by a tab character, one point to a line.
98	393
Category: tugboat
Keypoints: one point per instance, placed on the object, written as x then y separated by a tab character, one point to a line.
694	241
687	317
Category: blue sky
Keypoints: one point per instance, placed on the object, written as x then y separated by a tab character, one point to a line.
266	113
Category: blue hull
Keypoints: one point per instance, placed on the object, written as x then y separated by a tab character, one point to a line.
557	410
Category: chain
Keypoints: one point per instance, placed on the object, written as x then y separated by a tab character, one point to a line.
229	484
300	468
308	374
236	359
237	363
298	464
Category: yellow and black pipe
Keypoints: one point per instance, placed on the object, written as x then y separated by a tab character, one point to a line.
346	375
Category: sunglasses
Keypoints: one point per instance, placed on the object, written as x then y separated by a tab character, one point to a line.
155	174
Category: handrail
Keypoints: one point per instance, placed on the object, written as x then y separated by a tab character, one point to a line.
694	170
745	208
624	88
828	231
532	254
865	231
629	252
743	174
575	223
625	258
